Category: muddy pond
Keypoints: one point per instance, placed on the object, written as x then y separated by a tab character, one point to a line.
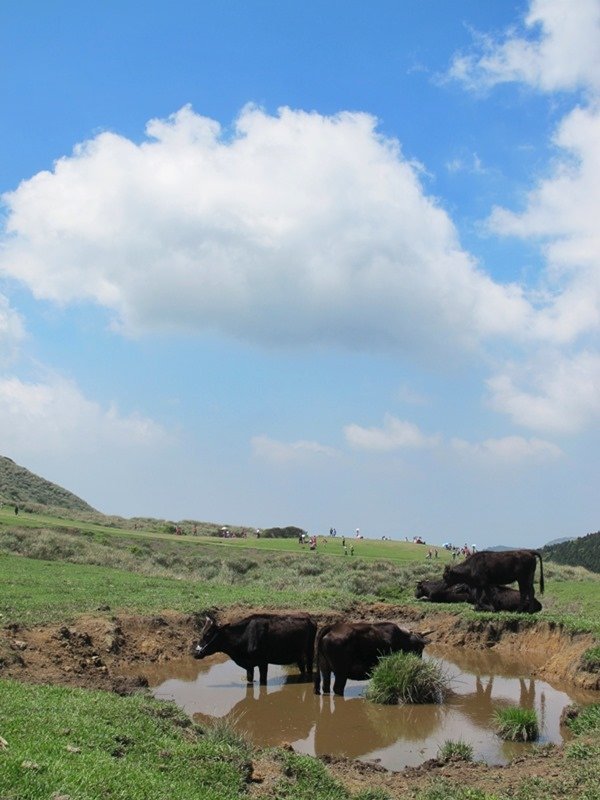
287	710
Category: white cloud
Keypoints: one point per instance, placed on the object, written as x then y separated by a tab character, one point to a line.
293	228
561	394
563	212
508	450
557	51
55	418
395	434
11	331
285	452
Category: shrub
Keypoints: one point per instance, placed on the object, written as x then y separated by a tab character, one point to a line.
406	678
516	724
455	751
291	532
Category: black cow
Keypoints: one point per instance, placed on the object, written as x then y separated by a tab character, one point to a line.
503	598
352	649
260	640
439	592
485	569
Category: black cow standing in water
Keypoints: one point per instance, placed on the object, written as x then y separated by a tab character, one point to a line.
351	649
487	569
260	640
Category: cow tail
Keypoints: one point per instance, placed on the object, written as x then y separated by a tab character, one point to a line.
539	555
317	667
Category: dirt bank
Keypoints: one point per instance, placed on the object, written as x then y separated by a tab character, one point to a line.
104	651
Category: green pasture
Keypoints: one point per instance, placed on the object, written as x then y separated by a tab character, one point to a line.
35	592
399	551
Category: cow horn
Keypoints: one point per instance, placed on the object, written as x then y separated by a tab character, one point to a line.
425	633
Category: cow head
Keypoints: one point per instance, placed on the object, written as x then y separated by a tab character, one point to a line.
420	590
207	644
416	644
453	575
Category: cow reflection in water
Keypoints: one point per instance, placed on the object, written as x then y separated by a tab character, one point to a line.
350	727
480	705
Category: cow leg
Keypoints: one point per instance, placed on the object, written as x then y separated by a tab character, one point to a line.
479	595
262	669
302	667
326	673
339	684
525	596
250	675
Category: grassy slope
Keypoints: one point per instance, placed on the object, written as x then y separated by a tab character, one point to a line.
19	485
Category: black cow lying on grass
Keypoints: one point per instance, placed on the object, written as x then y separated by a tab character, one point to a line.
260	640
487	569
439	592
352	649
501	598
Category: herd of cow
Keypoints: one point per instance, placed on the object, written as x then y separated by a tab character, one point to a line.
350	650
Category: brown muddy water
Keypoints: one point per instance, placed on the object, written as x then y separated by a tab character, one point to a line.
287	710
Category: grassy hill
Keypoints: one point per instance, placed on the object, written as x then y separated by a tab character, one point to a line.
20	486
581	552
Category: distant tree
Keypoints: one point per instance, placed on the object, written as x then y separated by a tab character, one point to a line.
581	552
290	532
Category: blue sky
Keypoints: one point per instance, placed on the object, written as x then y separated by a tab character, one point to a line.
319	263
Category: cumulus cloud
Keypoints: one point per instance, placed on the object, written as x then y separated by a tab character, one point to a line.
56	418
11	331
508	450
557	50
286	452
562	212
558	394
396	434
287	229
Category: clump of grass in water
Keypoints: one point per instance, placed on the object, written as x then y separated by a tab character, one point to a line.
406	678
516	724
455	751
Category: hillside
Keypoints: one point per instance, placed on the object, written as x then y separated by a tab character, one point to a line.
19	486
581	552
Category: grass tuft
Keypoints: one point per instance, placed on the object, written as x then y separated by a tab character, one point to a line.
406	678
516	724
455	751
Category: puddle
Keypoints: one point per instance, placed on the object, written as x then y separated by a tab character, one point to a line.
287	710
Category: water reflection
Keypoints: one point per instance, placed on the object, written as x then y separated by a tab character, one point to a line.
287	710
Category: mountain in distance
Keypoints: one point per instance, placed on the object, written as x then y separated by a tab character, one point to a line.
19	486
498	548
560	541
